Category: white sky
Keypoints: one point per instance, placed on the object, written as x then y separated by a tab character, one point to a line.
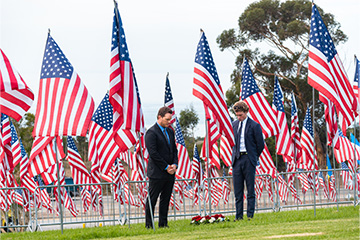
162	36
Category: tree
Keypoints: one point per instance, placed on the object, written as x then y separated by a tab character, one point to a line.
285	28
188	119
24	129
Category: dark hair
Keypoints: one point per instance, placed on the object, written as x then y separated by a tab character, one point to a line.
241	106
164	110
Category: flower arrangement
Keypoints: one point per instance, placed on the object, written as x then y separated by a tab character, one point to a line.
208	219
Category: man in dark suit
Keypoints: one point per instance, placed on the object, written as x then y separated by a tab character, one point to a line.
249	143
163	160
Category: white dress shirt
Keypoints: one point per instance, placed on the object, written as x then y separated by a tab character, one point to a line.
242	135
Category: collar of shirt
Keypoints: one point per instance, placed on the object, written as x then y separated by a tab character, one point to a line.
244	123
162	130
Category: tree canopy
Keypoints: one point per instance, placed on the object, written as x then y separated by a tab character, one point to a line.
274	37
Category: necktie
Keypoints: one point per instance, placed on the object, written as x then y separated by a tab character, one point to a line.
167	138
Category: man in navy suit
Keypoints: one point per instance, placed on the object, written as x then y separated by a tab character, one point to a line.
163	160
249	143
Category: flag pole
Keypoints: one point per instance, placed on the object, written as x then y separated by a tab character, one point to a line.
58	179
147	187
313	125
355	160
207	139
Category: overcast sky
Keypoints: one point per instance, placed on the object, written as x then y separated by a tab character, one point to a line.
162	36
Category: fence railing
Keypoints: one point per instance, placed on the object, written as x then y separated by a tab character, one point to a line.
115	208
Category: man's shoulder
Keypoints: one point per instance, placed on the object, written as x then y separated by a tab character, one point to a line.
152	128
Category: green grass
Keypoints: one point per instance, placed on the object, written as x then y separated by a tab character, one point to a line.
328	224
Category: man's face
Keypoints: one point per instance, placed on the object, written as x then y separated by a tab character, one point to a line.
241	115
164	121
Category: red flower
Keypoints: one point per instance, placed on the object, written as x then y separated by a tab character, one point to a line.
197	218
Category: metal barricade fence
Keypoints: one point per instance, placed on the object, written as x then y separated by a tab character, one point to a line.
16	217
103	208
322	198
117	211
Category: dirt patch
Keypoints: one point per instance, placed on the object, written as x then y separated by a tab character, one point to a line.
295	235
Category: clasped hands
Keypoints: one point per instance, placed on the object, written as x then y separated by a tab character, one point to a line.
171	169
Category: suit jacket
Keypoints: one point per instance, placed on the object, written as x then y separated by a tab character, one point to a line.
161	153
254	140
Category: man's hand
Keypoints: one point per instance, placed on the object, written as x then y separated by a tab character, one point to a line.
171	169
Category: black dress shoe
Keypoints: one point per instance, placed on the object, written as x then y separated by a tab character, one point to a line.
238	219
148	227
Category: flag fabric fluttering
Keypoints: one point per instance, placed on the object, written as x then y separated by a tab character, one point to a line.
184	168
327	73
16	97
283	143
168	99
330	119
64	106
79	172
124	93
259	108
43	155
346	176
102	148
356	79
295	130
15	146
208	89
307	144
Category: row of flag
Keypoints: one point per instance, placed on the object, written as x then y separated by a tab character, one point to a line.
65	108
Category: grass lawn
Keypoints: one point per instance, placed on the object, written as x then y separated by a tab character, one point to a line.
328	224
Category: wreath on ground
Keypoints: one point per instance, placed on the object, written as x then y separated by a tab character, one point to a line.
197	220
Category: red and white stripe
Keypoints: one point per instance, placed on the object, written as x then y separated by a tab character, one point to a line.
206	89
267	165
225	151
295	133
329	77
102	147
42	154
15	96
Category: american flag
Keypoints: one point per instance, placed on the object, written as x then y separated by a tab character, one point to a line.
124	93
330	118
64	105
282	188
102	148
15	96
6	140
295	131
225	151
356	79
211	138
196	163
78	169
303	177
184	169
268	188
169	101
283	143
345	152
79	172
326	72
43	199
267	165
259	108
42	154
15	145
307	144
208	89
346	176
